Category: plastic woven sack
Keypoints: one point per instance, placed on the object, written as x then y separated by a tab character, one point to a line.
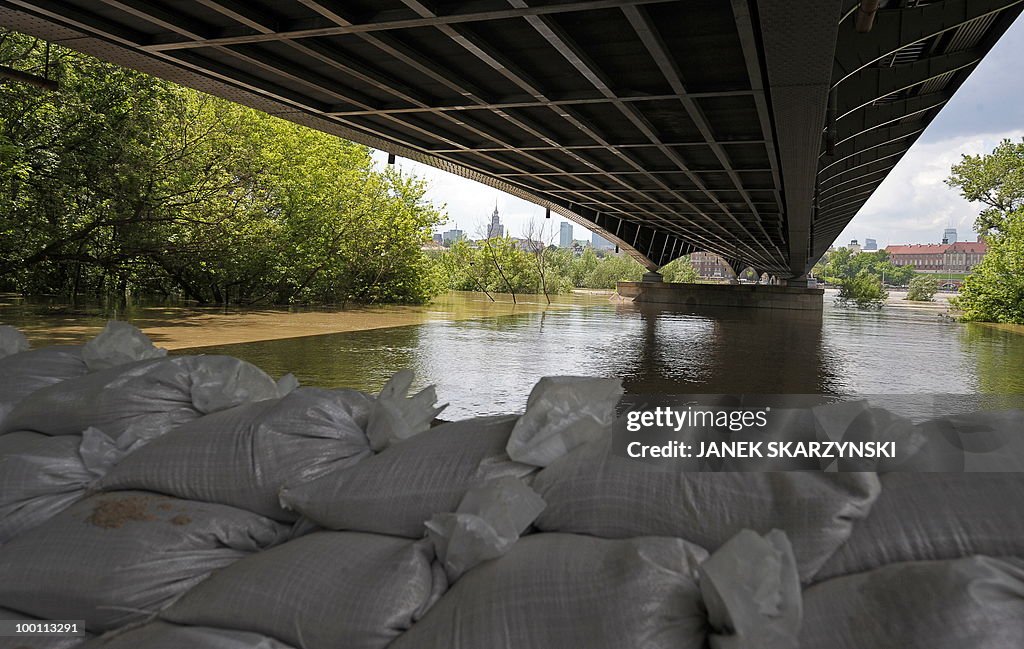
244	455
119	343
932	516
40	475
563	412
592	491
485	526
396	491
161	635
146	397
114	559
24	373
975	602
12	341
323	591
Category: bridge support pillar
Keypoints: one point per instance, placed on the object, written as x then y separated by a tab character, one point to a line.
756	296
653	278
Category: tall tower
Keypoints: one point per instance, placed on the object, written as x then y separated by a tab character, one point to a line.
565	235
949	236
496	229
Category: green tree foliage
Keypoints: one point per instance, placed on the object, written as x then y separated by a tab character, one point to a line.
995	180
922	288
121	182
843	264
499	265
680	271
994	291
864	291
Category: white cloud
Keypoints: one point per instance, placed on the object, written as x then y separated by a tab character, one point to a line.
914	204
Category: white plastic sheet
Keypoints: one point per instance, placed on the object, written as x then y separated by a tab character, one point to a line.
752	593
562	413
396	417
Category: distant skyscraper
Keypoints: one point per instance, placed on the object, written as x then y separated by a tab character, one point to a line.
600	243
949	236
870	245
451	236
565	235
496	229
438	238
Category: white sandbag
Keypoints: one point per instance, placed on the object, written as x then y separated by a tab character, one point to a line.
752	593
12	341
244	455
323	591
976	602
556	591
395	418
114	559
119	343
146	397
40	475
396	491
932	516
162	635
24	373
485	526
592	491
562	413
37	642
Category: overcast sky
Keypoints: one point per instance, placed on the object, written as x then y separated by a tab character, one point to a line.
913	204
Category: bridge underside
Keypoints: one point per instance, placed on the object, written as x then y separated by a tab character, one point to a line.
754	129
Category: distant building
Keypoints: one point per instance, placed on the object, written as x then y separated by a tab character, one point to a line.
432	246
451	236
600	243
709	265
438	238
495	229
565	235
960	257
870	245
949	236
854	247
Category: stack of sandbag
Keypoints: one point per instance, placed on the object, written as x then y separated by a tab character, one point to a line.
321	591
593	491
145	398
552	591
397	490
118	558
243	456
61	439
41	475
23	371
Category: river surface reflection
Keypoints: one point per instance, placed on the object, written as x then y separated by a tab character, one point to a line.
488	364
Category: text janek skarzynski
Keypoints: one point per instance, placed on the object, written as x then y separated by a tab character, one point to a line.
737	420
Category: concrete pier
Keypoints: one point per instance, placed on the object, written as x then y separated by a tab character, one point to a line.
753	296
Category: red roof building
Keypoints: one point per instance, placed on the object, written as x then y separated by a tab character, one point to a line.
959	257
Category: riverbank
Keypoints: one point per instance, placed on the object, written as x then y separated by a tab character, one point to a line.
187	327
